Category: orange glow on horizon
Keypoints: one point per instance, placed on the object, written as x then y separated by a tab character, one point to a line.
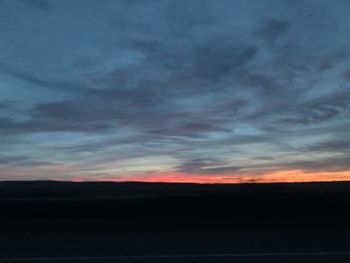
289	176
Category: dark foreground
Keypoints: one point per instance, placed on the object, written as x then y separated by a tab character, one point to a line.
137	222
240	245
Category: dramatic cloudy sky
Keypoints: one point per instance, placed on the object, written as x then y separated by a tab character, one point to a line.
193	90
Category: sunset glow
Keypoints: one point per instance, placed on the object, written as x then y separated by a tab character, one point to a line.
273	177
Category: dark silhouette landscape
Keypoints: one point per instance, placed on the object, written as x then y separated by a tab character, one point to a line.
102	205
46	221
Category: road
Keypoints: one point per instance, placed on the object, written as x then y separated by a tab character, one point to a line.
234	245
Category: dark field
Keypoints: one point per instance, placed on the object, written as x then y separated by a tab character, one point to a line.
234	245
41	205
146	222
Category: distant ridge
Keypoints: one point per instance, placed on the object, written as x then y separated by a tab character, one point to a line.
50	188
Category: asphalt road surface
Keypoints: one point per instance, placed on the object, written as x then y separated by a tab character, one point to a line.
235	245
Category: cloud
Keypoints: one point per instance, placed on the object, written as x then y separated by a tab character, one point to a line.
12	159
216	60
39	4
39	125
3	105
273	28
336	145
206	166
57	85
339	163
321	110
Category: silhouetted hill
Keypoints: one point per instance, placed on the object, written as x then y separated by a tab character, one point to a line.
57	189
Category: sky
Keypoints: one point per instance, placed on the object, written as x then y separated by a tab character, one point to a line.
175	90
